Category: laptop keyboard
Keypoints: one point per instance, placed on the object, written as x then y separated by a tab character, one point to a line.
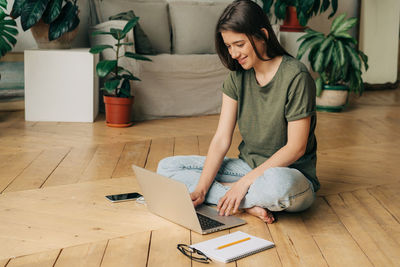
207	223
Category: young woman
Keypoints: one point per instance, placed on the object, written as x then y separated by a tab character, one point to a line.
271	96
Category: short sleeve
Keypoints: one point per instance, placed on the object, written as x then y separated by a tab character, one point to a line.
301	97
230	87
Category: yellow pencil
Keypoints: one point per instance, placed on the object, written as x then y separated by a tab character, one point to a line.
234	243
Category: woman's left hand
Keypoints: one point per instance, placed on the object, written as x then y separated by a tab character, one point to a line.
229	204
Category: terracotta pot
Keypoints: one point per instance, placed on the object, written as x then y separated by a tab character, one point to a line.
291	22
118	111
40	32
333	98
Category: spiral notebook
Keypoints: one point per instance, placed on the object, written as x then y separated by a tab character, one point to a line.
232	246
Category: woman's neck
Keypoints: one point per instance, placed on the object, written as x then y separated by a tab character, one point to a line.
266	70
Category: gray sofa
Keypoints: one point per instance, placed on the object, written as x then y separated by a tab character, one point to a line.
185	76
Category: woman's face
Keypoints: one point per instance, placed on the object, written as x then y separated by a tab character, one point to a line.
240	48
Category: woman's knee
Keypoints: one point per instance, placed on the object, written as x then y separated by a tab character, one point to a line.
177	163
281	189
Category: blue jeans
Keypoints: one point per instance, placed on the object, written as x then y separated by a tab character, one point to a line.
277	189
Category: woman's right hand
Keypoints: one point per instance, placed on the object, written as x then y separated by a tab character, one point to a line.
197	197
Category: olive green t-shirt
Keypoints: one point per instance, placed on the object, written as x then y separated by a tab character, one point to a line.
264	112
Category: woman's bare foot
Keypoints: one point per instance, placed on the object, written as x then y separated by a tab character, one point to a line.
261	213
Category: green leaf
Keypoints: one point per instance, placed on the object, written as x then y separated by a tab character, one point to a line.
267	6
125	89
345	26
104	67
111	85
7	32
334	8
355	60
128	44
130	77
328	55
310	43
3	4
337	22
342	56
303	19
129	25
17	8
99	48
53	11
315	7
310	35
319	61
117	34
346	36
364	58
326	43
136	56
324	6
32	12
319	85
280	9
101	33
67	21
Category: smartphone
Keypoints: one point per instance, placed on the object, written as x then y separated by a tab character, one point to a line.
123	197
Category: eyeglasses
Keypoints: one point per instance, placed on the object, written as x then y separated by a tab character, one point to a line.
189	251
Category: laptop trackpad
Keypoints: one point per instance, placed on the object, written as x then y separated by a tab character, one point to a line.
213	214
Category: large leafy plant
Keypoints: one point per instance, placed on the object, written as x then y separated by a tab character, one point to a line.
305	8
8	30
61	15
117	79
335	56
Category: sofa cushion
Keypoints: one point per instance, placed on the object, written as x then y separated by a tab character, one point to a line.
178	85
193	25
153	19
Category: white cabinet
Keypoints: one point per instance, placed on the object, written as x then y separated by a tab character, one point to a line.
61	85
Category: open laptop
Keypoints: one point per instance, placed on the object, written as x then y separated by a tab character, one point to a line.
171	200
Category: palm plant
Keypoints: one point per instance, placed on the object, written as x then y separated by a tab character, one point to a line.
8	30
335	56
62	15
117	82
305	8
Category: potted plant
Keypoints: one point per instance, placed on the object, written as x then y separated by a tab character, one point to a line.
117	83
7	30
296	13
54	23
337	61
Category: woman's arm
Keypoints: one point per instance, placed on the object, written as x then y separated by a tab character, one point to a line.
218	148
295	148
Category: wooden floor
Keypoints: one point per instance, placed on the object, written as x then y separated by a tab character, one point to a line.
53	177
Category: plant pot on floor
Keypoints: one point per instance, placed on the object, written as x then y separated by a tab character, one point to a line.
118	111
40	32
333	98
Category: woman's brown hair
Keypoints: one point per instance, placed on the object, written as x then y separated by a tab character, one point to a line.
245	16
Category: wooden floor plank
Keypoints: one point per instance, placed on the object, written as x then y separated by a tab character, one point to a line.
12	165
103	162
4	262
204	144
87	255
335	242
380	207
159	149
44	259
127	251
294	243
133	153
38	171
379	247
187	145
258	228
389	197
163	251
71	169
